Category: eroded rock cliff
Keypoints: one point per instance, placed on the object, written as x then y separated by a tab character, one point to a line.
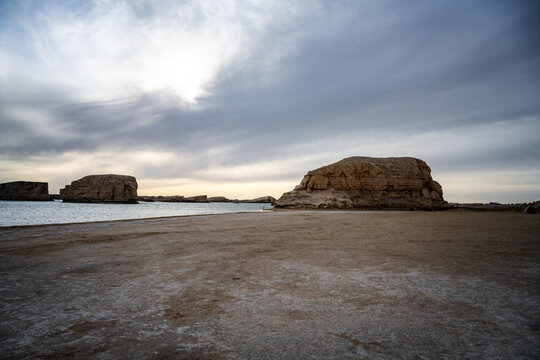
101	188
367	183
25	190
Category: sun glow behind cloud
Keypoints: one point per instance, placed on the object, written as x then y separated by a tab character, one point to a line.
108	51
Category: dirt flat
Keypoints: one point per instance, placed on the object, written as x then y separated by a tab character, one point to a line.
275	285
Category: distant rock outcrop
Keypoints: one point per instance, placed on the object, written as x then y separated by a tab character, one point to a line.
222	199
262	199
533	207
204	199
25	190
179	198
368	183
175	198
101	188
197	199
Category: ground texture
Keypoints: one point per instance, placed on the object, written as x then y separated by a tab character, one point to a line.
275	285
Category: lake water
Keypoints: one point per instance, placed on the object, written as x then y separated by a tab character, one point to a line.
58	212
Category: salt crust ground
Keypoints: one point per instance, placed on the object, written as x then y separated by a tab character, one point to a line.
275	285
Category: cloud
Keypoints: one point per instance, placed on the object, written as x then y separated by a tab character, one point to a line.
112	49
262	91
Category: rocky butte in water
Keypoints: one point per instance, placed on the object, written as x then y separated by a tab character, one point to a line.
25	190
101	188
368	183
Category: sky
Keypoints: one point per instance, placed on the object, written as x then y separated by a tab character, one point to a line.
241	98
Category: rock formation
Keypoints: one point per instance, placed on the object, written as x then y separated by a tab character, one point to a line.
262	199
533	207
222	199
25	190
204	199
180	198
173	198
367	183
197	199
101	188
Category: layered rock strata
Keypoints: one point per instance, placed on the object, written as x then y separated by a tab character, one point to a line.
101	188
25	190
368	183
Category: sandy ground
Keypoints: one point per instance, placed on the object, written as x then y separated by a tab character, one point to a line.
275	285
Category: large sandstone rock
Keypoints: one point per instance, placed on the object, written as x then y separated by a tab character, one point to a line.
101	188
367	183
25	190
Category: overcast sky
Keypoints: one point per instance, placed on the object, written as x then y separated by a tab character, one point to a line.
242	98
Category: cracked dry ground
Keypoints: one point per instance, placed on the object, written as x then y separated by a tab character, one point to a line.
274	285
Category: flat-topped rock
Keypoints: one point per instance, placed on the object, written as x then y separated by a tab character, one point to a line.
101	188
368	183
25	190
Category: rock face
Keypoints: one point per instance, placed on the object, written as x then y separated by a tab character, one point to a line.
368	183
101	188
25	190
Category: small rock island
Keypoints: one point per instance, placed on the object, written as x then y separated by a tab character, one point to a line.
108	188
25	190
360	182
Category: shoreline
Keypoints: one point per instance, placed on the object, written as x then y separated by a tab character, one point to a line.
345	211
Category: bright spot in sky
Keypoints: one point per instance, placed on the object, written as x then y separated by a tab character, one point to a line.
110	52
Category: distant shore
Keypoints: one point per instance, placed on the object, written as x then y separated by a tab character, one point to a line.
274	284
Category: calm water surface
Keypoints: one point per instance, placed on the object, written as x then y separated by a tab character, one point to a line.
57	212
